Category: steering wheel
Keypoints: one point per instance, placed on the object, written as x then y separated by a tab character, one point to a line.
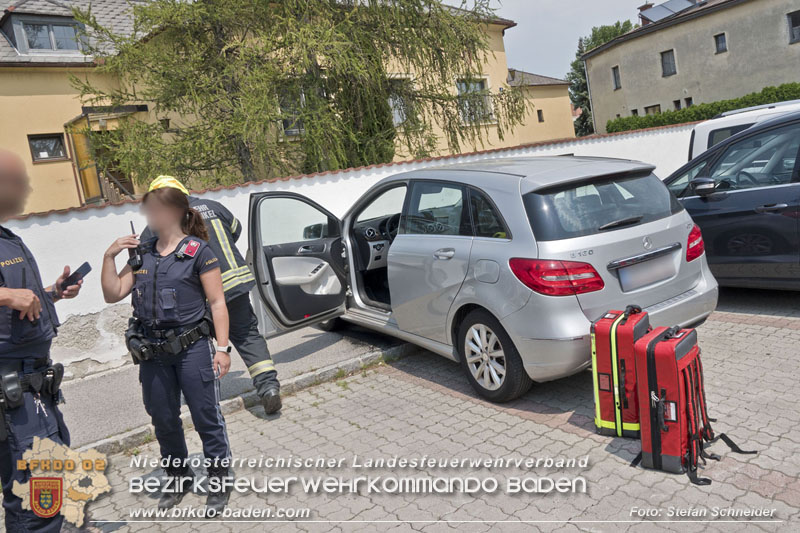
749	177
392	226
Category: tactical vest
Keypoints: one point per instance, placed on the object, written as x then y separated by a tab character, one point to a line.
167	292
21	338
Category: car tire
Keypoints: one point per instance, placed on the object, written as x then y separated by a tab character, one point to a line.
482	364
334	324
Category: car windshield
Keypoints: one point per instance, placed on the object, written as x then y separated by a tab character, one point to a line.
598	206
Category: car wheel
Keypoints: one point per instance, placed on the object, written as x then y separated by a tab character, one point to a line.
490	359
333	324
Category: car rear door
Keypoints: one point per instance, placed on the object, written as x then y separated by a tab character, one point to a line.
429	258
297	257
750	224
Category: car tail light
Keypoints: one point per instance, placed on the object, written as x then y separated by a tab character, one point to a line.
556	278
695	246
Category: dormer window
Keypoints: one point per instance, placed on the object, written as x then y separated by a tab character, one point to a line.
40	34
51	36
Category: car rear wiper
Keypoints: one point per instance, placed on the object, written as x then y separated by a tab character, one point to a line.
621	222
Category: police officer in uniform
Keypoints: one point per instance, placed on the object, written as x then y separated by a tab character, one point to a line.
170	336
28	379
224	230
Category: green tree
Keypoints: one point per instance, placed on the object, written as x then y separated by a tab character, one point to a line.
578	86
247	89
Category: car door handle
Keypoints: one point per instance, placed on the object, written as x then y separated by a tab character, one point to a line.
771	208
309	249
444	253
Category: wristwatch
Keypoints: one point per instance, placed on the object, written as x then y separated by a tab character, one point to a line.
226	349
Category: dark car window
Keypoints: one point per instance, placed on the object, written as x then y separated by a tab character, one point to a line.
761	160
717	136
437	209
485	219
680	185
597	206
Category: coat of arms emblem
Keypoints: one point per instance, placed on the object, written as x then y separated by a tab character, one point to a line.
46	495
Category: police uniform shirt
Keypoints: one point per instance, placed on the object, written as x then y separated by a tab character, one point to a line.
20	337
167	290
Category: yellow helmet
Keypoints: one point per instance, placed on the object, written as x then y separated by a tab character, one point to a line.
167	181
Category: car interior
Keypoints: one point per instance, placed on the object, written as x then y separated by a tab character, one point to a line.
763	160
375	227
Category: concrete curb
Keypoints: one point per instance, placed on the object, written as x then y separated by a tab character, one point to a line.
144	434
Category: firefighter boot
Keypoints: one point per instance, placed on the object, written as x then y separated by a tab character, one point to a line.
178	485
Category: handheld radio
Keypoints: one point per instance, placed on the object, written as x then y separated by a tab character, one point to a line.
134	255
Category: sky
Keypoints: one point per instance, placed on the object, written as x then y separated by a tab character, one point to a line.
547	32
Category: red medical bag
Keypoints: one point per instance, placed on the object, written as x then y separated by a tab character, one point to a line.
675	427
616	403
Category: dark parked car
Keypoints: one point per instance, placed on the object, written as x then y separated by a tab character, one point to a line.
744	193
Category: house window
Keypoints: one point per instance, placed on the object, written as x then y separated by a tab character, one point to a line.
540	115
688	101
721	42
47	36
292	121
398	103
676	104
668	63
635	112
474	101
652	110
47	147
794	27
616	78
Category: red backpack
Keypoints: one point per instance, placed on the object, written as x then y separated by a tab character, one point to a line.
675	426
614	371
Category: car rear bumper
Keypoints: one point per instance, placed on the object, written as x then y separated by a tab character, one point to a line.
546	359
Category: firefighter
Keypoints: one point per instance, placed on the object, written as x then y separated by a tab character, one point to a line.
169	337
29	380
224	230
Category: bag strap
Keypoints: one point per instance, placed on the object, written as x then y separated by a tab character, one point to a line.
636	460
695	440
707	431
732	445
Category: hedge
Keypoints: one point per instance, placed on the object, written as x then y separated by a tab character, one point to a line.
768	95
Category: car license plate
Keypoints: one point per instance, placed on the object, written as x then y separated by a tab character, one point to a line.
642	274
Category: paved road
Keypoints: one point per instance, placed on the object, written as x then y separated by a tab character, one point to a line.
108	404
422	405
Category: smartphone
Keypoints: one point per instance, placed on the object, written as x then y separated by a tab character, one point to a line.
76	276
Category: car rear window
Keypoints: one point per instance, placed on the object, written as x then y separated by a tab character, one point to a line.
598	206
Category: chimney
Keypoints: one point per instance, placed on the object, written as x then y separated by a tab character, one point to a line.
642	8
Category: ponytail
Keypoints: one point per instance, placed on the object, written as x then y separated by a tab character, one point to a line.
192	224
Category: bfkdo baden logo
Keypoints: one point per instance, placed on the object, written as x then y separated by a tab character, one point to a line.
46	495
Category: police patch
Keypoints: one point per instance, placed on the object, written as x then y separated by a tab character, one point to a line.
190	248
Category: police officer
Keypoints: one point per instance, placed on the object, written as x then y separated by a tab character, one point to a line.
28	379
169	336
224	230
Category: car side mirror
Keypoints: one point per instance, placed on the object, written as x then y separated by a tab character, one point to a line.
704	186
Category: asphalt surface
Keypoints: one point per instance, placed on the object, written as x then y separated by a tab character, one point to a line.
108	404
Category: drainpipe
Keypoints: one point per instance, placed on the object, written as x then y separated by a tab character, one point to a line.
589	90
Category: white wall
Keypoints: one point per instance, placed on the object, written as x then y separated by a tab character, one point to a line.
75	236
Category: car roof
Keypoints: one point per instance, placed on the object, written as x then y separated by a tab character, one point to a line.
531	173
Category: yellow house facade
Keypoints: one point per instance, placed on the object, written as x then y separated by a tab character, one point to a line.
43	113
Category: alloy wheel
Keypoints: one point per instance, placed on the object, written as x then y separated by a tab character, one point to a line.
485	357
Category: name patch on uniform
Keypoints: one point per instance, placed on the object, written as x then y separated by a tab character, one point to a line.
142	272
9	262
211	261
190	248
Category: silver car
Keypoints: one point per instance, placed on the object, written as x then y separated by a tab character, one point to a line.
501	265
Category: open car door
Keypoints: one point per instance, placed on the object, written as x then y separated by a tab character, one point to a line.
297	257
